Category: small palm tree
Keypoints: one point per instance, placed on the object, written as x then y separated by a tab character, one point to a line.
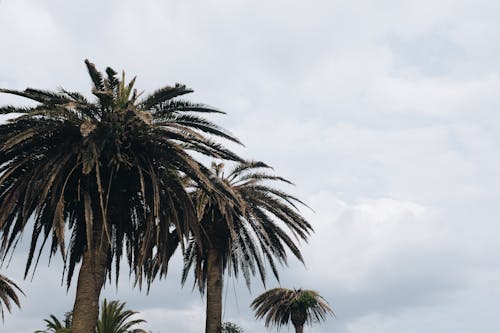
8	294
242	234
229	327
115	319
54	325
280	306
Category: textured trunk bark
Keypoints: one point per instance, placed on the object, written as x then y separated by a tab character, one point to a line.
299	329
90	281
214	291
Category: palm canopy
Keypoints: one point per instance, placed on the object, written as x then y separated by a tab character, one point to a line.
115	319
54	325
229	327
8	294
111	168
281	305
248	231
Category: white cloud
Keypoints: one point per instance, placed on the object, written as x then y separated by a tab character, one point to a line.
398	157
190	319
379	246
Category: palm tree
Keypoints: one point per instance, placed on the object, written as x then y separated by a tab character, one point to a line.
114	319
8	294
108	171
229	327
280	305
54	325
240	235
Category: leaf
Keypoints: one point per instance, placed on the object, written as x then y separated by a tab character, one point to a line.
58	224
95	76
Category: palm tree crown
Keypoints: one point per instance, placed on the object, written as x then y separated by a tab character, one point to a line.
54	325
229	327
8	294
115	319
109	167
244	230
109	171
280	306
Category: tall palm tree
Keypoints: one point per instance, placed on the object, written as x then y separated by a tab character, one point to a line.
242	234
109	171
280	306
8	294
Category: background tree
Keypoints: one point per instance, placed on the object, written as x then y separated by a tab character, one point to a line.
115	319
229	327
54	325
240	235
8	294
109	171
280	306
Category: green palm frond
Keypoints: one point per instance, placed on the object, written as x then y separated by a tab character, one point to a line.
54	325
279	306
163	95
115	319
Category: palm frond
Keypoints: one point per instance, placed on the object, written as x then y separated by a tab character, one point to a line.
164	94
95	75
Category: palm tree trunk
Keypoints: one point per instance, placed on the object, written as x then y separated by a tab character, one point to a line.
214	291
90	281
299	329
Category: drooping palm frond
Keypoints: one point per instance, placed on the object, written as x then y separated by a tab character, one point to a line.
8	294
110	170
280	306
248	231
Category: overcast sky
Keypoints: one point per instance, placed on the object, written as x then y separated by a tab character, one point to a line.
384	113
